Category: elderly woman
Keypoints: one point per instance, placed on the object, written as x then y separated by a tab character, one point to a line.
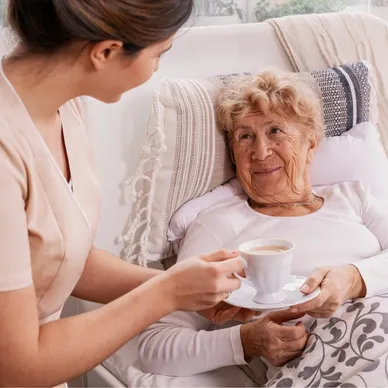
274	125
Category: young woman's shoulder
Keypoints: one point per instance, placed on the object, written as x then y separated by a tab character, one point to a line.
77	107
15	150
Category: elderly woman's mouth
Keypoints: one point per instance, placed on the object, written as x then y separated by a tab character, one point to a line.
267	171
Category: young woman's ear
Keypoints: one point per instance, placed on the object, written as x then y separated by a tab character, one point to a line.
103	52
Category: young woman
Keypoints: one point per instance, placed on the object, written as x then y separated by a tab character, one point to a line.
49	196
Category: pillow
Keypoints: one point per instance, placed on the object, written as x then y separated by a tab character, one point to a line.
186	154
364	160
355	155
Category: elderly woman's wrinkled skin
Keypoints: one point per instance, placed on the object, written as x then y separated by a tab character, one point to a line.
272	157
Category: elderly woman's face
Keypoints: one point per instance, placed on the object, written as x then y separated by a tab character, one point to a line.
271	155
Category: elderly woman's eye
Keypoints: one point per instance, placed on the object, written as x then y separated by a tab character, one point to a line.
275	130
245	136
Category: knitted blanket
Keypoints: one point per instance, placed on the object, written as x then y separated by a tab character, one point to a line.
315	41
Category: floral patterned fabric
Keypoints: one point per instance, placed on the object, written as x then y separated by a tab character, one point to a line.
349	350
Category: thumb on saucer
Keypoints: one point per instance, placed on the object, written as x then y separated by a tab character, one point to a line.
313	282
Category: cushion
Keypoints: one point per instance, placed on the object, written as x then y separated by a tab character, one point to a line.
331	165
186	154
355	155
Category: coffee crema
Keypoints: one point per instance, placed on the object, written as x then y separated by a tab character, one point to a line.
267	249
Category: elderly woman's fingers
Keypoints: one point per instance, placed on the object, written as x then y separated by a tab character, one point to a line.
268	338
226	313
222	313
293	333
321	314
314	304
313	282
296	345
236	314
286	357
245	315
284	316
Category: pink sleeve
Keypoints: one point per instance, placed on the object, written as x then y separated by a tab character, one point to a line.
15	262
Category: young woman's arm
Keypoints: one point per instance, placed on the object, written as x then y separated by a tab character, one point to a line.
107	277
56	352
48	355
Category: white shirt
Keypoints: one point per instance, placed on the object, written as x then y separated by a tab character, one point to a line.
351	227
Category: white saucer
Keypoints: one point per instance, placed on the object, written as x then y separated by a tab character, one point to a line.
243	297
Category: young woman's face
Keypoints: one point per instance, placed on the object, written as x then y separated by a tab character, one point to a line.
114	72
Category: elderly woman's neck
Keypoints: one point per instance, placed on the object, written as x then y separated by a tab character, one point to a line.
292	195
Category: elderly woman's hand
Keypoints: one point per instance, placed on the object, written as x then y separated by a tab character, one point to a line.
338	284
224	312
268	338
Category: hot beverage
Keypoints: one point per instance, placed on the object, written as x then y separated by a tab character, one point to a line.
267	249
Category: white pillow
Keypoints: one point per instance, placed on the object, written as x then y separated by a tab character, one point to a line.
355	155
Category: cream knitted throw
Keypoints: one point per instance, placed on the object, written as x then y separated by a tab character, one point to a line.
327	40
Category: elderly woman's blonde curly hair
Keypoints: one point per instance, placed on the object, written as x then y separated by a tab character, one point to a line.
271	92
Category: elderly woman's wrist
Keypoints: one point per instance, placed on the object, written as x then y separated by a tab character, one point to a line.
358	289
246	342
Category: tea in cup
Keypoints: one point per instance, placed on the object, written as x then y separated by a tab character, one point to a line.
268	265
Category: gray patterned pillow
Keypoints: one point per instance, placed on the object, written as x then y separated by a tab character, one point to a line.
186	156
346	96
345	92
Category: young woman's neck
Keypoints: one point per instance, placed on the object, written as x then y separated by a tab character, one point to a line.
44	84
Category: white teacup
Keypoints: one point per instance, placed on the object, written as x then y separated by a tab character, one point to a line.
268	265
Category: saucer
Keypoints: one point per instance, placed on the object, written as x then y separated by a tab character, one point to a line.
243	297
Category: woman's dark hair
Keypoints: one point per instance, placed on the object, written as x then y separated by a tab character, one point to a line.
46	26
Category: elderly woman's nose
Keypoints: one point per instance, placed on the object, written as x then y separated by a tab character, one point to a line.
261	150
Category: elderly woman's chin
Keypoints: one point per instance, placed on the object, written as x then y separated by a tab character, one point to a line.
263	183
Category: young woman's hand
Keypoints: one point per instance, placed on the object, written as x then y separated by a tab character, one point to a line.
202	282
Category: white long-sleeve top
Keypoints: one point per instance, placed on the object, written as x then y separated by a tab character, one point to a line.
351	227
